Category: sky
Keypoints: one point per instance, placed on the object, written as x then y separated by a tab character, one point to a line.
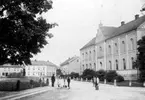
78	22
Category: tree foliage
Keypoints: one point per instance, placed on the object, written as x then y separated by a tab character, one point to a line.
88	73
23	31
141	58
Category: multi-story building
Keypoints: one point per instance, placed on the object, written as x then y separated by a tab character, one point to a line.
71	65
7	69
41	69
115	48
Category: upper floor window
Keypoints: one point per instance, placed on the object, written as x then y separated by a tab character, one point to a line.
109	49
116	48
90	56
123	46
100	48
90	66
100	64
132	43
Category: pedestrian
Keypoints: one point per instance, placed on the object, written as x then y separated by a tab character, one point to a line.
96	83
93	79
53	80
68	81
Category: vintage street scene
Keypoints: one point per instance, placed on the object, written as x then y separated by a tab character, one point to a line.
72	49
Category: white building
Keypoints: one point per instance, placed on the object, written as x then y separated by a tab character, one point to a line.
41	69
114	48
71	65
7	69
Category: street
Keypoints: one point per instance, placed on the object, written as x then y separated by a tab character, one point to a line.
86	91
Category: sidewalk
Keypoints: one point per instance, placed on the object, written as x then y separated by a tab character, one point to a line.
25	93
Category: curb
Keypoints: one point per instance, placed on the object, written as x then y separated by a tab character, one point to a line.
25	94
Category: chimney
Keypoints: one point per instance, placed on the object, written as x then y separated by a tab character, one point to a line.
136	16
122	23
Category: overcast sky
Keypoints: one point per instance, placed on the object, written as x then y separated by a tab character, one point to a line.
78	22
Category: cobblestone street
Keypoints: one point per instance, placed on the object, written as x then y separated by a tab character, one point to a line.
85	91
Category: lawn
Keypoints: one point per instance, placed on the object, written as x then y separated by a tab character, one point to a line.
126	83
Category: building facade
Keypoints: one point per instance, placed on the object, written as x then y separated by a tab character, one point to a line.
71	65
40	69
7	69
116	48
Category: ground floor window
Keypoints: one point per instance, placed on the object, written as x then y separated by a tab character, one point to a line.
116	64
124	63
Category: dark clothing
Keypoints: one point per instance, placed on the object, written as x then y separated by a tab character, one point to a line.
53	80
68	81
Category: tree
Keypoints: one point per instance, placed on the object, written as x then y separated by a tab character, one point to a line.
23	31
88	73
59	72
141	58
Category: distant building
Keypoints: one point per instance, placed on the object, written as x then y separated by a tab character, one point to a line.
41	69
114	48
7	69
71	65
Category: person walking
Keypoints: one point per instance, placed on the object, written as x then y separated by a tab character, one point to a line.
68	81
53	80
96	83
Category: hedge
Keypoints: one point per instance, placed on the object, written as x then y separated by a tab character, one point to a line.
21	85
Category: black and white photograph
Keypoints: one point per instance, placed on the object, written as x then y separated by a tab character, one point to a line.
72	49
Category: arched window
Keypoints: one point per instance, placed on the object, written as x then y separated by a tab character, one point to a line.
123	46
132	43
132	61
110	65
100	48
94	54
94	66
90	56
86	66
100	64
116	48
116	64
124	63
83	68
90	66
86	56
109	49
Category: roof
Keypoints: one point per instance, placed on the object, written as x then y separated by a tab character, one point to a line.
68	61
90	43
39	63
132	25
10	66
107	31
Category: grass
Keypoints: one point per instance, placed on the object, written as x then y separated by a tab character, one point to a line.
126	83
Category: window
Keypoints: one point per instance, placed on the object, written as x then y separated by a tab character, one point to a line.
116	48
132	44
132	61
94	66
86	56
90	56
100	64
123	46
116	64
90	66
124	64
94	54
100	48
109	49
86	66
110	65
